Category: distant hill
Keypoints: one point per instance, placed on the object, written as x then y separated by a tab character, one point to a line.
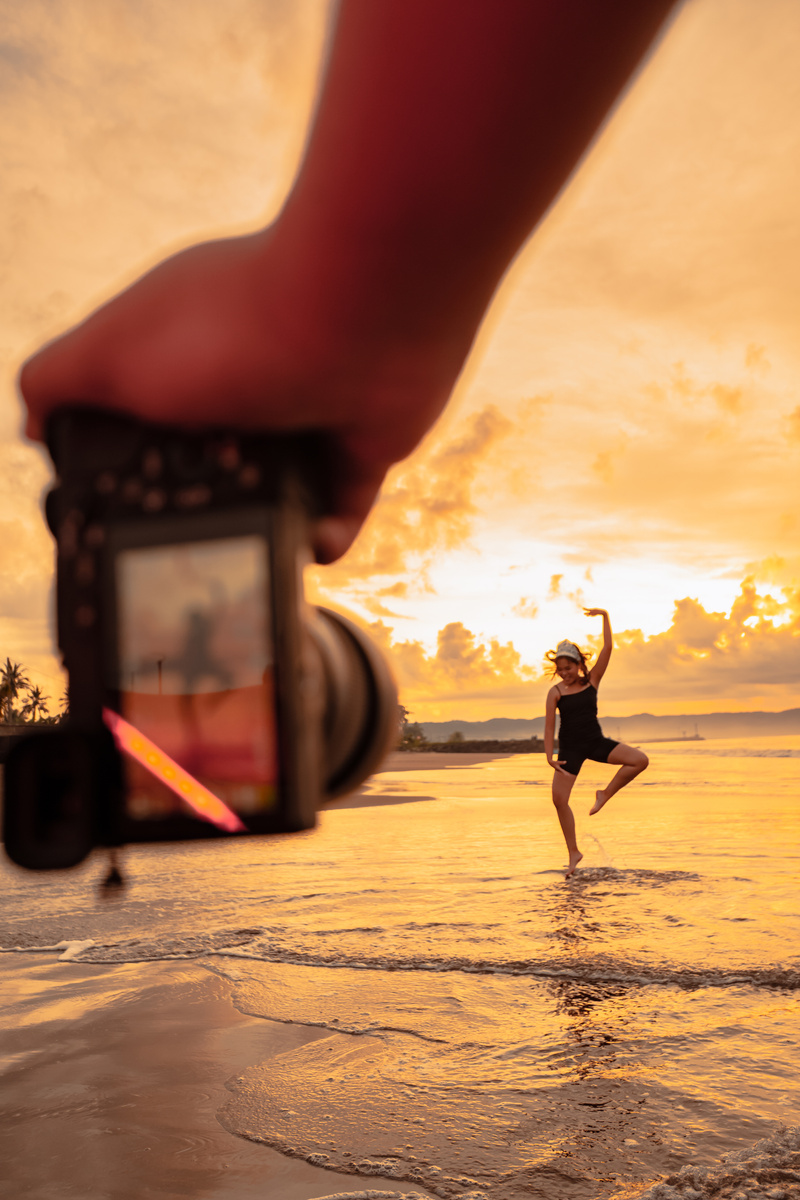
630	729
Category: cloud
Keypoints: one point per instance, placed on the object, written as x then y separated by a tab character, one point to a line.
137	127
775	570
746	658
702	469
399	589
427	505
652	317
374	606
728	398
793	423
126	128
755	358
525	607
461	669
603	466
26	567
577	597
749	655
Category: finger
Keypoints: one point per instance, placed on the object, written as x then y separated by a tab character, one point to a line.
71	369
333	536
356	485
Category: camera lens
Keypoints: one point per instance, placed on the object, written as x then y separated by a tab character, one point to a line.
360	722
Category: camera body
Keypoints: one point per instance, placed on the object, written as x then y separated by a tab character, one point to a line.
206	698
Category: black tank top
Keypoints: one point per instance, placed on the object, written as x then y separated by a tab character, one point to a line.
578	717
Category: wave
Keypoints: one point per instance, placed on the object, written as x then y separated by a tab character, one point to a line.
734	751
770	1168
590	971
371	1195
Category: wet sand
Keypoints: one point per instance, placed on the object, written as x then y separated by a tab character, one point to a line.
408	760
434	760
424	970
112	1076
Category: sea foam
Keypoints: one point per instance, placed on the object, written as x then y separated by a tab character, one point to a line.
769	1170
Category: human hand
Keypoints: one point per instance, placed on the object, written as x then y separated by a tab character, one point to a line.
428	164
247	333
558	765
595	612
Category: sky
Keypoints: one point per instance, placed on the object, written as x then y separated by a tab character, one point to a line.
626	432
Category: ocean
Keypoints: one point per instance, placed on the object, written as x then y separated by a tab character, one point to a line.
475	1026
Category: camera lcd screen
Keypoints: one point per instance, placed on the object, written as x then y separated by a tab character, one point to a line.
196	679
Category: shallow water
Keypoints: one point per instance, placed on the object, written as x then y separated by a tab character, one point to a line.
494	1030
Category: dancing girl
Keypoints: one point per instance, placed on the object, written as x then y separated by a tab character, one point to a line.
580	736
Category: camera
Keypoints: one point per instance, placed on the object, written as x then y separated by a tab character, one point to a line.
206	697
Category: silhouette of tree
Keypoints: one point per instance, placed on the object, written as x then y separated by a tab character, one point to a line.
35	706
411	734
13	680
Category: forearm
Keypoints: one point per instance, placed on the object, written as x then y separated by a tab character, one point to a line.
608	638
444	130
549	736
443	133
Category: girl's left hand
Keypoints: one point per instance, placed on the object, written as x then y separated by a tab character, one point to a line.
595	612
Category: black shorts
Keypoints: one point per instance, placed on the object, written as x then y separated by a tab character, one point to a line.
572	758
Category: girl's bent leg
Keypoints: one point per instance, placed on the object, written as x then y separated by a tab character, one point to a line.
563	784
632	763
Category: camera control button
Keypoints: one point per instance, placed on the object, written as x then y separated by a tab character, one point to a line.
132	490
228	455
190	460
106	483
85	616
193	497
154	500
152	463
84	569
249	476
94	536
68	534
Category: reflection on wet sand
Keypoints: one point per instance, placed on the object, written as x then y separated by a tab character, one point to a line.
482	1027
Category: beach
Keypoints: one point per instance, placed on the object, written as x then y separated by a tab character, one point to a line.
112	1079
411	1001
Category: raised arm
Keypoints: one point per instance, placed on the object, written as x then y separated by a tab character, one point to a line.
443	132
599	669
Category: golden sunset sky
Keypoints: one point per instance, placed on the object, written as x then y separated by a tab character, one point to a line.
627	431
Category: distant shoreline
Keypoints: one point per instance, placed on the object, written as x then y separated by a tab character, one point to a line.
532	745
639	727
517	746
694	737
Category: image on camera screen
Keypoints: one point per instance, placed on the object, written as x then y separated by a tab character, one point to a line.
196	675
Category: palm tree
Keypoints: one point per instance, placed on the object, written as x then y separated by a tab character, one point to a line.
13	680
36	704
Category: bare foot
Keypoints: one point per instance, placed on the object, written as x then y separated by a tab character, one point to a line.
599	800
574	858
